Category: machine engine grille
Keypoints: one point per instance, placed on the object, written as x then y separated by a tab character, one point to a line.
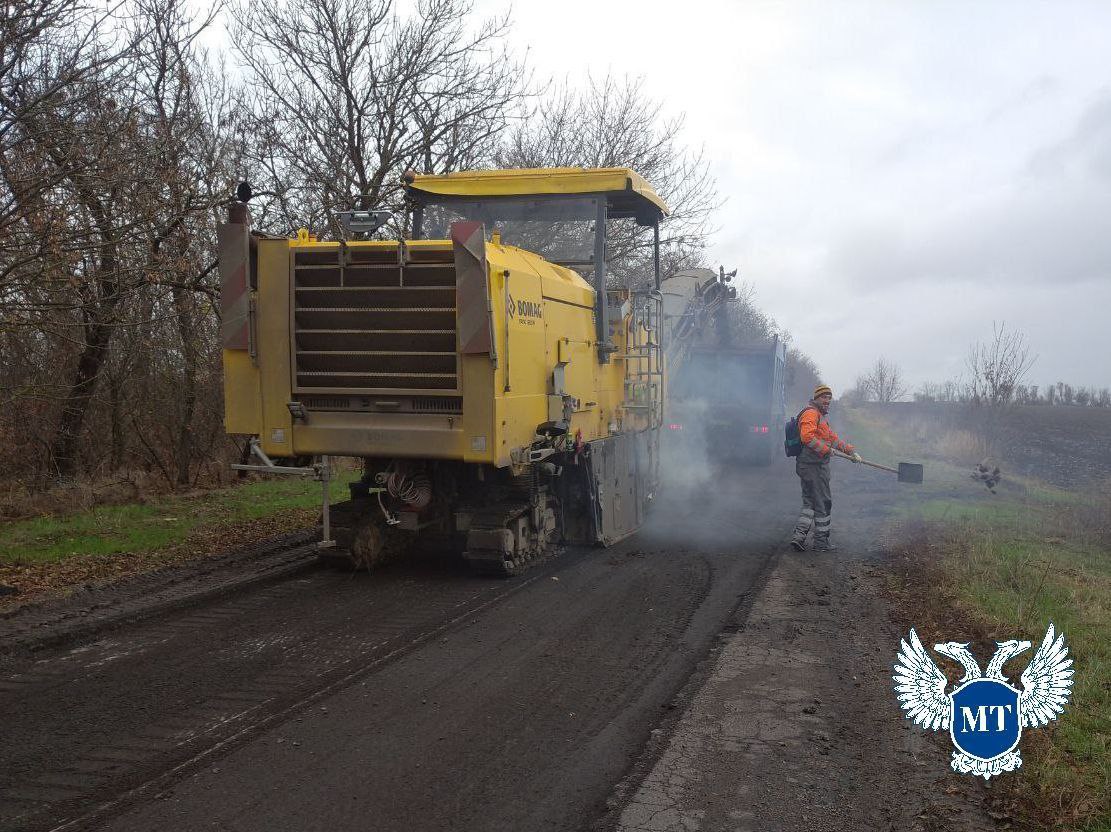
375	319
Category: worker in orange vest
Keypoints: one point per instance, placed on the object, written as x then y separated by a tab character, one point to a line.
812	466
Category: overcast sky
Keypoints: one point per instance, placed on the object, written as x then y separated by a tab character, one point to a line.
898	175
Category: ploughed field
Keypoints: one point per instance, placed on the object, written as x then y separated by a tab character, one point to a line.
1067	447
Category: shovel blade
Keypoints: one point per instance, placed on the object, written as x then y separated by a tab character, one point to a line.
910	472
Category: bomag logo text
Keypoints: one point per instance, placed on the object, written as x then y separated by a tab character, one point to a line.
528	309
524	311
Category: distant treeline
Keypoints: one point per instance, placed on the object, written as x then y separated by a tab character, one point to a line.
996	369
1061	393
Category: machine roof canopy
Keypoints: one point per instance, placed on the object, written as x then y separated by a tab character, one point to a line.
627	193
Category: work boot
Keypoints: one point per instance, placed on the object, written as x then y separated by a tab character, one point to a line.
822	544
802	530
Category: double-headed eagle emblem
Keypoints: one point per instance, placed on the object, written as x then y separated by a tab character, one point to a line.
984	714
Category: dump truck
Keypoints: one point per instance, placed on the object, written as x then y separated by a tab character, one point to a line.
502	393
730	401
726	401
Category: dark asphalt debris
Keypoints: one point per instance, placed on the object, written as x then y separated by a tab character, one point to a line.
988	476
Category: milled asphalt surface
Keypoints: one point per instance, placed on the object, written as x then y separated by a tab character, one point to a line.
413	698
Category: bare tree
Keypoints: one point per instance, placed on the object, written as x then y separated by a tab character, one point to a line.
110	181
1065	392
855	395
68	207
187	105
950	390
998	366
614	122
348	94
743	322
49	50
802	377
883	382
928	392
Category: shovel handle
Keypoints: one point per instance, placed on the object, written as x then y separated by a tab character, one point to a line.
866	462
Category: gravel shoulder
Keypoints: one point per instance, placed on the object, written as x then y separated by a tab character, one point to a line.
795	725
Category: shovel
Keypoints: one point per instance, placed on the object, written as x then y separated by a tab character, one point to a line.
907	471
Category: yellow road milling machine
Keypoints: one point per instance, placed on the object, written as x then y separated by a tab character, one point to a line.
503	395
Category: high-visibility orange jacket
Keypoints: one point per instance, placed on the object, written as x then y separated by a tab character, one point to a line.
817	435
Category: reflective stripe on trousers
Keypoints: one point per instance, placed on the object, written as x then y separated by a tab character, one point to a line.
821	526
817	501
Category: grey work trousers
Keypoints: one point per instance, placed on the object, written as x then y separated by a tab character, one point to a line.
817	500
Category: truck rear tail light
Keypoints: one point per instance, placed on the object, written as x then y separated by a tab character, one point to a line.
675	426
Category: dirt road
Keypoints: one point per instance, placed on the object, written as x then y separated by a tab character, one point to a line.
696	676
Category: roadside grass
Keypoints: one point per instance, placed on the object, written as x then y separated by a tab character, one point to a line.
972	564
141	528
1005	580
